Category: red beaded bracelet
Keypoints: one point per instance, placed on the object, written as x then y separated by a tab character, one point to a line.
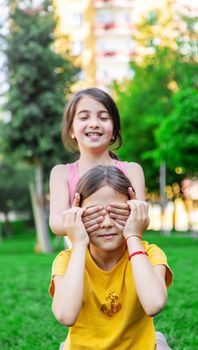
137	253
132	236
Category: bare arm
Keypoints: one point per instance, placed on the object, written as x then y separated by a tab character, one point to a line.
149	281
69	289
136	176
59	198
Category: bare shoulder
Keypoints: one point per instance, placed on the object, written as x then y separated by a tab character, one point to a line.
136	176
135	170
58	172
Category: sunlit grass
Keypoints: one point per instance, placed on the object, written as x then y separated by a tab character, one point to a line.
179	318
26	319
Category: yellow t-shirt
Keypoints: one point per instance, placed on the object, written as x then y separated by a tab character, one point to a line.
111	317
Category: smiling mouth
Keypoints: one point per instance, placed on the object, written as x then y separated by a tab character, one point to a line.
93	134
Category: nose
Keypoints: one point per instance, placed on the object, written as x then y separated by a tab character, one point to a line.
93	122
107	222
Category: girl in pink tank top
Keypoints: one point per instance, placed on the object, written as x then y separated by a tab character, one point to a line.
91	125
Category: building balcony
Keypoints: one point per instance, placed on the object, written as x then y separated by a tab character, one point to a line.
117	3
114	55
113	28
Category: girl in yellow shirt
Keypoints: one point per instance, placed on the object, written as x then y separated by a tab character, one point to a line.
110	285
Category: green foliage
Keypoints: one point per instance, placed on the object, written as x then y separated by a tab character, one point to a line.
188	44
39	78
146	102
178	133
14	191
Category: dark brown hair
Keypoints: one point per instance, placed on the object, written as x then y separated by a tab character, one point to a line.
101	176
100	96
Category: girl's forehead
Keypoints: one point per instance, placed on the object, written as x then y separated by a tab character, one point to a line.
88	102
105	196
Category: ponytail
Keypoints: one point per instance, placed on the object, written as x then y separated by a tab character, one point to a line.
113	155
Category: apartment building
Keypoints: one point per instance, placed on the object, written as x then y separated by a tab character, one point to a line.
100	34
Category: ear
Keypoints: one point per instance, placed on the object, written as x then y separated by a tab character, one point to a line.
71	133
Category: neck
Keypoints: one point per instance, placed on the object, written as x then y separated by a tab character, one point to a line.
90	160
106	260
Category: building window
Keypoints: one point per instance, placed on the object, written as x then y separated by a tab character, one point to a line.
77	20
76	48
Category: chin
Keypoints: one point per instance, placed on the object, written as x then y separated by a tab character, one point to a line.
108	246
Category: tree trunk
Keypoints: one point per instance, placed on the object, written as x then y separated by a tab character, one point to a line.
38	205
188	207
174	215
163	195
8	227
1	232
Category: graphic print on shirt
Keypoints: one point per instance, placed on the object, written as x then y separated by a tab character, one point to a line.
113	305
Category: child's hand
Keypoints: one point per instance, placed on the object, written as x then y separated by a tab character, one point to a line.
72	222
119	212
76	201
92	216
137	220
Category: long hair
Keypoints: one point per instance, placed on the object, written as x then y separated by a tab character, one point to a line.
101	176
100	96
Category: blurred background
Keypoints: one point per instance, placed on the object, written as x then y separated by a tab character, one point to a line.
145	54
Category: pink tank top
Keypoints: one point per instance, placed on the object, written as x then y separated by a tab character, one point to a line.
74	176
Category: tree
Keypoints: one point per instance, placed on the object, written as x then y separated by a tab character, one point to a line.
147	100
143	104
39	78
178	134
14	179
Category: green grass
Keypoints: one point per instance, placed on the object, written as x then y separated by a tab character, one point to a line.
26	321
178	321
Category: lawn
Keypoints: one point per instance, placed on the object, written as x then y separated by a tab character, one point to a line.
26	321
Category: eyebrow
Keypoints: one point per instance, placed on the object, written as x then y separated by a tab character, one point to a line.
87	111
